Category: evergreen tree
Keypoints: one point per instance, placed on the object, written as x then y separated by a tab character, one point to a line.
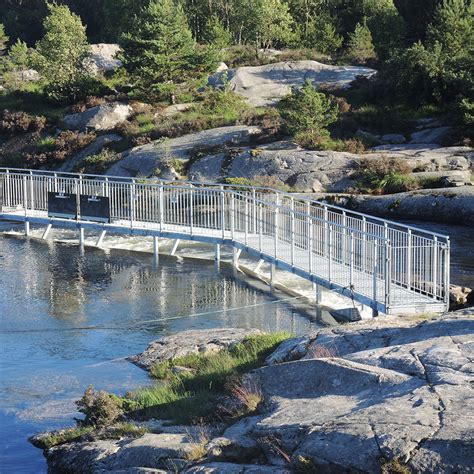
360	47
61	52
307	111
322	36
3	40
216	34
453	27
160	50
17	61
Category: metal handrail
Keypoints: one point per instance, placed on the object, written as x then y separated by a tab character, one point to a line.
263	189
379	263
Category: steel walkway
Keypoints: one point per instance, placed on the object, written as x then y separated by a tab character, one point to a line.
391	267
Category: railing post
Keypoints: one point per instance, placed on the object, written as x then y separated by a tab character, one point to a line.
435	267
447	264
78	197
351	258
25	200
232	215
8	199
329	253
344	238
222	212
326	227
161	204
409	257
246	219
276	218
310	236
363	257
191	209
132	203
254	198
388	274
260	226
32	193
292	232
374	276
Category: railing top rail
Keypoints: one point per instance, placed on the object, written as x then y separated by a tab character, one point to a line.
230	188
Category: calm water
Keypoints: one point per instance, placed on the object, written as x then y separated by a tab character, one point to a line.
66	320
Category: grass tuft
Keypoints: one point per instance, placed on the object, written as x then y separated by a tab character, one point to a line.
188	395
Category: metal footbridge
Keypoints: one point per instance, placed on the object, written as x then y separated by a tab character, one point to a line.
392	268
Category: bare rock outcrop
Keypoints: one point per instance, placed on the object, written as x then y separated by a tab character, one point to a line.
264	85
161	155
343	399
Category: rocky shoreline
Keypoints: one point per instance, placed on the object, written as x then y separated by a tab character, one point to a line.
374	396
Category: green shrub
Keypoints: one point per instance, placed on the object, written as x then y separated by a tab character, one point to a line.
100	408
308	112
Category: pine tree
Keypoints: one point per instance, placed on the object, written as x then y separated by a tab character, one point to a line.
453	27
322	36
216	35
17	61
360	47
3	40
160	50
61	52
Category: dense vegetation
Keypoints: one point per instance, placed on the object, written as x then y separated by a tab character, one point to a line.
423	50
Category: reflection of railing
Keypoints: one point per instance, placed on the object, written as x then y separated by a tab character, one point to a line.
379	262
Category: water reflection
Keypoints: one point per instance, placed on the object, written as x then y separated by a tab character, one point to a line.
67	320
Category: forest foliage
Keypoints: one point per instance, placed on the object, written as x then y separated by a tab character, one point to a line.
423	49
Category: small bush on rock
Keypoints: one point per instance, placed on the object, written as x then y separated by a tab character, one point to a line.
100	408
386	175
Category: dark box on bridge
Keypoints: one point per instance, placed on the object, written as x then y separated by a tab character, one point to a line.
95	208
62	205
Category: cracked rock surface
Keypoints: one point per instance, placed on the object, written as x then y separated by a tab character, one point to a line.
343	399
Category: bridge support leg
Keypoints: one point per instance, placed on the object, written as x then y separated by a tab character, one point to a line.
101	238
81	237
46	232
319	294
272	277
235	257
27	228
217	252
259	265
175	247
156	247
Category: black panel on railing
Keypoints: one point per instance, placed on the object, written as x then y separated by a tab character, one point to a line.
62	205
95	208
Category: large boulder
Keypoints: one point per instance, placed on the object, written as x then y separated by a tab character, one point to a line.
146	159
103	58
99	118
264	85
